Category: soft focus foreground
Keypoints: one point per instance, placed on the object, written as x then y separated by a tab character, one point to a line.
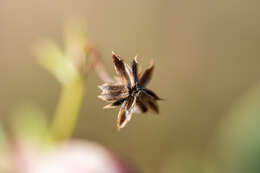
207	70
31	144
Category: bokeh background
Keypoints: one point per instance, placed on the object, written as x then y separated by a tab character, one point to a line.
207	63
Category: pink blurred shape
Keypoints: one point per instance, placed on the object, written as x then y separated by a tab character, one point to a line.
72	157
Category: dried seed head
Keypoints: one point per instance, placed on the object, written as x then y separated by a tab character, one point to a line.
129	90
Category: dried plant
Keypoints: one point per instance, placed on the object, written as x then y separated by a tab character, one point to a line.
129	91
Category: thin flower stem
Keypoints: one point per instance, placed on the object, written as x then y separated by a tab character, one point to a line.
97	63
68	110
70	101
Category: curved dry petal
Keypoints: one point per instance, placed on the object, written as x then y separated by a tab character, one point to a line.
141	106
121	121
152	94
114	104
113	96
120	68
146	77
154	106
149	101
135	70
139	75
125	113
131	82
112	86
130	102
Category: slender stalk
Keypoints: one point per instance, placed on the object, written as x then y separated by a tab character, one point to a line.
68	110
97	63
70	101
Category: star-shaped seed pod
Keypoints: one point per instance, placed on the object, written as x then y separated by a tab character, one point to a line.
129	91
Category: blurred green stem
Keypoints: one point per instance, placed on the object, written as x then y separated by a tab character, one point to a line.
68	110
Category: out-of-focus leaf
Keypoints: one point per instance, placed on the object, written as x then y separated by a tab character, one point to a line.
56	62
239	137
69	67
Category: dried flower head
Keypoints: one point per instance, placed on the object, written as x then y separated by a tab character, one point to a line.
129	91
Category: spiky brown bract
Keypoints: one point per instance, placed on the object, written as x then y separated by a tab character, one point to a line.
129	91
